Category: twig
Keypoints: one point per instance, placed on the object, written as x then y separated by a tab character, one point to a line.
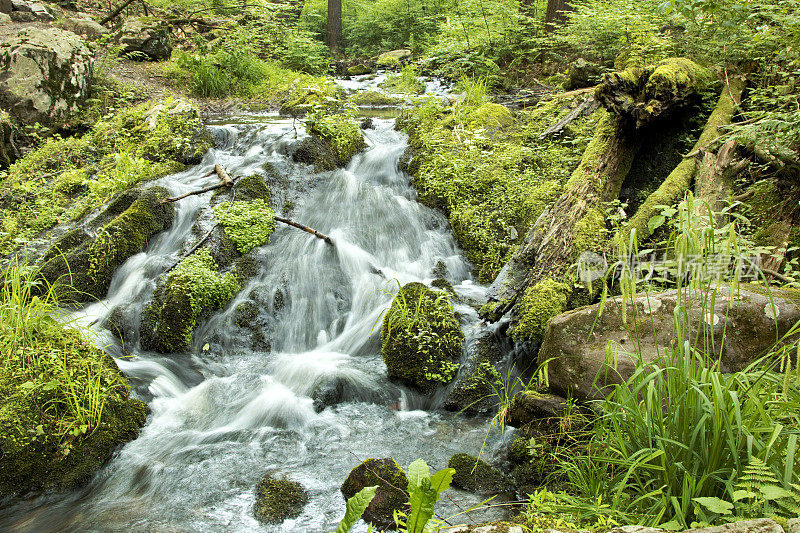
305	228
116	12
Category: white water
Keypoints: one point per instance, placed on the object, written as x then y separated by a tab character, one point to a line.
223	417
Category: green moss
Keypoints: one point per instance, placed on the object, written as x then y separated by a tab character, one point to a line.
405	82
476	475
374	98
248	224
340	132
539	304
193	287
492	189
278	499
359	70
303	101
421	339
64	446
475	393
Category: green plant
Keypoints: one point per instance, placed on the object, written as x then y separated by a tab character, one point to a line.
248	224
424	491
355	509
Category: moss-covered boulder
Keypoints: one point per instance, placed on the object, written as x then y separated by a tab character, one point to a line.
278	499
193	287
334	140
306	100
87	263
8	152
421	339
65	445
475	475
359	70
749	323
45	74
539	303
393	58
391	495
582	74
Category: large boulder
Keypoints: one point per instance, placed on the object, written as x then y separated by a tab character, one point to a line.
87	28
582	74
393	58
45	75
278	499
421	339
576	343
391	495
145	39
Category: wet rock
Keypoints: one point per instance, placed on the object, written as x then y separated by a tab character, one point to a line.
473	391
359	70
393	58
314	151
367	124
421	338
391	495
145	39
341	389
278	499
751	324
475	475
86	28
529	406
582	74
87	261
45	75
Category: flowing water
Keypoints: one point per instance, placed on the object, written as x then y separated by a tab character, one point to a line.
228	412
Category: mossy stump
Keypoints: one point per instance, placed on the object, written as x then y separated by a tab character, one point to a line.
278	499
392	483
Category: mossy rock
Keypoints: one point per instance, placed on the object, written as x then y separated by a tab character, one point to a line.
278	499
540	303
473	391
391	495
421	338
307	100
475	475
491	116
341	133
87	268
359	70
36	453
193	287
315	151
393	58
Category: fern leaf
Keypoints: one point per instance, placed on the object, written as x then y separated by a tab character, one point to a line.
355	508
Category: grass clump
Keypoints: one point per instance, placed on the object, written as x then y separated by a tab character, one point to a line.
64	406
493	178
248	224
404	82
421	338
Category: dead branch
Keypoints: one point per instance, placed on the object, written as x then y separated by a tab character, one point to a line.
305	228
586	107
114	14
225	181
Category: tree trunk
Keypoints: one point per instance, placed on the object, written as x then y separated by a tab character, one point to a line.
556	14
334	26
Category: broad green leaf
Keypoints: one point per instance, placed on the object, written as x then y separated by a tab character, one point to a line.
441	480
715	505
355	508
672	525
774	492
421	501
417	471
655	222
742	494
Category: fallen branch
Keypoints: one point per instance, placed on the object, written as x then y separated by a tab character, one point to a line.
114	14
584	108
225	181
305	228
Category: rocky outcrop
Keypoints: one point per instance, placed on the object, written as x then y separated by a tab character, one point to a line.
278	499
391	495
145	39
86	258
26	11
87	28
576	343
45	75
476	475
473	390
421	338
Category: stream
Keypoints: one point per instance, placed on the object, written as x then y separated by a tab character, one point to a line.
226	413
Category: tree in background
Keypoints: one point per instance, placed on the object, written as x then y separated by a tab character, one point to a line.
333	35
556	14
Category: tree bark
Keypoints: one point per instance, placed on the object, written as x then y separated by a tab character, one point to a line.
333	36
556	14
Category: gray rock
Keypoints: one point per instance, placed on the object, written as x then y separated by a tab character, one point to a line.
45	74
793	526
145	39
6	6
583	74
529	406
21	5
761	525
472	392
577	358
497	527
85	27
5	19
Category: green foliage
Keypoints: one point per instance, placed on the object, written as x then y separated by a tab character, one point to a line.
248	224
421	339
340	131
355	509
405	82
539	304
424	491
489	171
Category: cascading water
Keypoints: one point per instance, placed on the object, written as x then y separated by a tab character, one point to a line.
226	414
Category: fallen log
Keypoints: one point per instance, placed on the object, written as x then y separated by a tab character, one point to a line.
677	184
225	181
111	16
304	228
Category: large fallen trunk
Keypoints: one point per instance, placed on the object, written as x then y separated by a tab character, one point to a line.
538	282
679	181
